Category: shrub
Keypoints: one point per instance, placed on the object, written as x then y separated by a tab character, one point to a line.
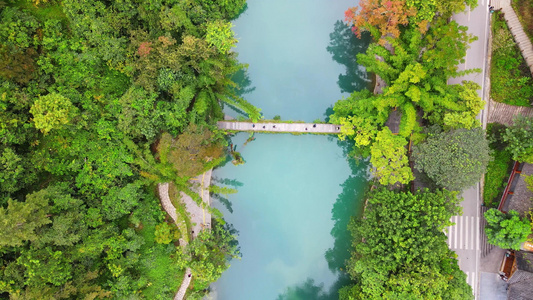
506	231
454	159
510	76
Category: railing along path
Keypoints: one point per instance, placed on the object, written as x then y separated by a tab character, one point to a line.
280	127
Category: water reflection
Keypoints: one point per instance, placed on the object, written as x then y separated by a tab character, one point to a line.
242	11
224	201
307	290
243	81
344	46
234	243
243	86
347	205
233	183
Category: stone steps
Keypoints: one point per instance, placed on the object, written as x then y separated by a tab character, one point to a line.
485	246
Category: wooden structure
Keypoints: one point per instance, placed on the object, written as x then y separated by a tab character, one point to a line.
508	266
504	113
507	190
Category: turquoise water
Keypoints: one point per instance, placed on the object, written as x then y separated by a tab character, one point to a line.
301	56
296	194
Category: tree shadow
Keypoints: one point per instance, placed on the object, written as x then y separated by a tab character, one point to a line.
224	201
242	11
226	181
344	46
305	291
328	113
234	183
243	81
349	204
230	229
309	290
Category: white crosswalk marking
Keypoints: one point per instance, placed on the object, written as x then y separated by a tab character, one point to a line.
455	232
467	233
478	237
473	282
460	230
474	235
464	235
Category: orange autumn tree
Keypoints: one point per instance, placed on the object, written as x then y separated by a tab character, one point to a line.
379	17
384	17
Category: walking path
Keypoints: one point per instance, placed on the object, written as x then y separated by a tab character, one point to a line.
171	211
504	113
280	127
522	40
200	218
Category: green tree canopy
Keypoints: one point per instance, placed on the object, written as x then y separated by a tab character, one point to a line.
389	159
52	111
519	138
87	88
20	220
454	159
220	35
400	250
190	151
416	66
506	231
210	253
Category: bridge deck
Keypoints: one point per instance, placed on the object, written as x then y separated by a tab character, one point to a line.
280	127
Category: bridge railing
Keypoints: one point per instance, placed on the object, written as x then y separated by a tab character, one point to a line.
317	128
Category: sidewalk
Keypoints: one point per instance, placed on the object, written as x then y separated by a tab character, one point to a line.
520	37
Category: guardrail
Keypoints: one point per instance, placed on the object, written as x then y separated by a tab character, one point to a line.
507	191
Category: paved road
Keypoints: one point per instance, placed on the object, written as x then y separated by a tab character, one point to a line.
464	237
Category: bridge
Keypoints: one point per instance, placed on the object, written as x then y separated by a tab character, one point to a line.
316	128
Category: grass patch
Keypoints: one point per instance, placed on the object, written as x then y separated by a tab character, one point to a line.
524	10
498	169
510	77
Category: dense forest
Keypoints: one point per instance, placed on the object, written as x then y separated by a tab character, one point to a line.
399	248
87	88
102	100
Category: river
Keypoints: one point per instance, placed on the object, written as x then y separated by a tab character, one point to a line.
296	193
